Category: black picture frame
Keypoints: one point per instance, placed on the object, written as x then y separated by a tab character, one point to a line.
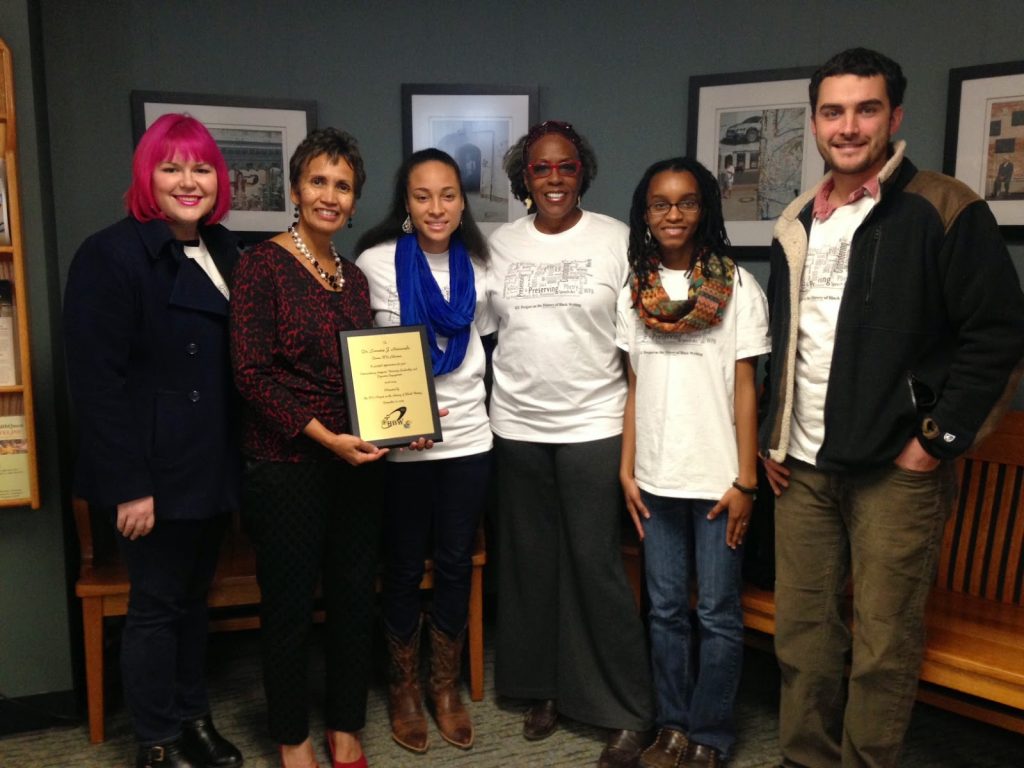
980	121
249	130
710	98
475	124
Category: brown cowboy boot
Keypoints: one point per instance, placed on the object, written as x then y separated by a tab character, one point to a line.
445	661
405	699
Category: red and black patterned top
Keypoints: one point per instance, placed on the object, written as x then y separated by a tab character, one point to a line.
286	353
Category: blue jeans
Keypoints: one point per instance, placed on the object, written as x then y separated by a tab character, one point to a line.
696	698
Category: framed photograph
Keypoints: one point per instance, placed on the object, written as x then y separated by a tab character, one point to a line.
257	137
752	130
475	124
389	385
985	136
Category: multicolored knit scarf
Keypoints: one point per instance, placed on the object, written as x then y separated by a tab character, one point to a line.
710	289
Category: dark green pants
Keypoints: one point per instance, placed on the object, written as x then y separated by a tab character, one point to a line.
884	528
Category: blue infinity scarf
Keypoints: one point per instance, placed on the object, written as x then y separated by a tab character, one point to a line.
423	303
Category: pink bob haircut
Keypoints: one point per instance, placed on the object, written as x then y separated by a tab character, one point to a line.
171	135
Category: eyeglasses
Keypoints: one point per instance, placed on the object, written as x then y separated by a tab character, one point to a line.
564	168
662	207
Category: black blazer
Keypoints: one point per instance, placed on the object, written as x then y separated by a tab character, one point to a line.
146	338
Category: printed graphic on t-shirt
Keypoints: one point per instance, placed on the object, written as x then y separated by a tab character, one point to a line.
395	306
825	272
530	280
653	342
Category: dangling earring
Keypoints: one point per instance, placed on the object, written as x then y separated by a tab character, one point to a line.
647	236
350	222
295	213
407	225
579	201
528	202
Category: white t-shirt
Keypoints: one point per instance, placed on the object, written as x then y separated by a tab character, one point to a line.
821	291
558	375
201	255
685	390
465	429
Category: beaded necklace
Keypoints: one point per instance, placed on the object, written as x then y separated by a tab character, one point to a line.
335	282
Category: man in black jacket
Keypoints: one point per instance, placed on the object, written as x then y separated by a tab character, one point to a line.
897	326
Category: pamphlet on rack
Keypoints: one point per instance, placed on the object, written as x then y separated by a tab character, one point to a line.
14	481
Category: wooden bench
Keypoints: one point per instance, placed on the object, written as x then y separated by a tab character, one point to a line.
974	650
974	653
975	617
102	587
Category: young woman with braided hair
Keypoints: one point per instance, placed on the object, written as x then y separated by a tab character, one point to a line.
693	324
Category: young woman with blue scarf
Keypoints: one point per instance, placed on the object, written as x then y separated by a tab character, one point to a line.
425	264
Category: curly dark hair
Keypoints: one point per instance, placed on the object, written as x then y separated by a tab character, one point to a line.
710	236
862	62
331	142
391	227
515	159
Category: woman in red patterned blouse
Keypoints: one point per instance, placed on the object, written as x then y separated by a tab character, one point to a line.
310	508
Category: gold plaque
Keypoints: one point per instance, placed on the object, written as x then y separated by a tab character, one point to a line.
389	385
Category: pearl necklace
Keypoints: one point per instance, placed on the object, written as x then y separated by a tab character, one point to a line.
335	282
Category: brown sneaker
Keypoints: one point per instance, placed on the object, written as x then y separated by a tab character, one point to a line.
666	750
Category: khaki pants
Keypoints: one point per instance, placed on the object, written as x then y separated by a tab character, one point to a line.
884	528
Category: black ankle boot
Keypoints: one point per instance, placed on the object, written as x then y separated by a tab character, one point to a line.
168	755
206	747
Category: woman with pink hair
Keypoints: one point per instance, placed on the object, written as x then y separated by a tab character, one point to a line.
146	330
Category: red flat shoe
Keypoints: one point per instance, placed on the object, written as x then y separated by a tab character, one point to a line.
359	762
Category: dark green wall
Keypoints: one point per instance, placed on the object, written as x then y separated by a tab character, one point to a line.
617	70
35	636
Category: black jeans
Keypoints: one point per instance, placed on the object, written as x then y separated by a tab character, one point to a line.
310	522
163	646
433	510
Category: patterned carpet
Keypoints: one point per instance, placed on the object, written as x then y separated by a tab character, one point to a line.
937	739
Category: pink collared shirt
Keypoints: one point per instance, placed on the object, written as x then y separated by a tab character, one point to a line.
823	209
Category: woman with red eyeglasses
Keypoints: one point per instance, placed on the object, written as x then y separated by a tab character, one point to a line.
569	636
